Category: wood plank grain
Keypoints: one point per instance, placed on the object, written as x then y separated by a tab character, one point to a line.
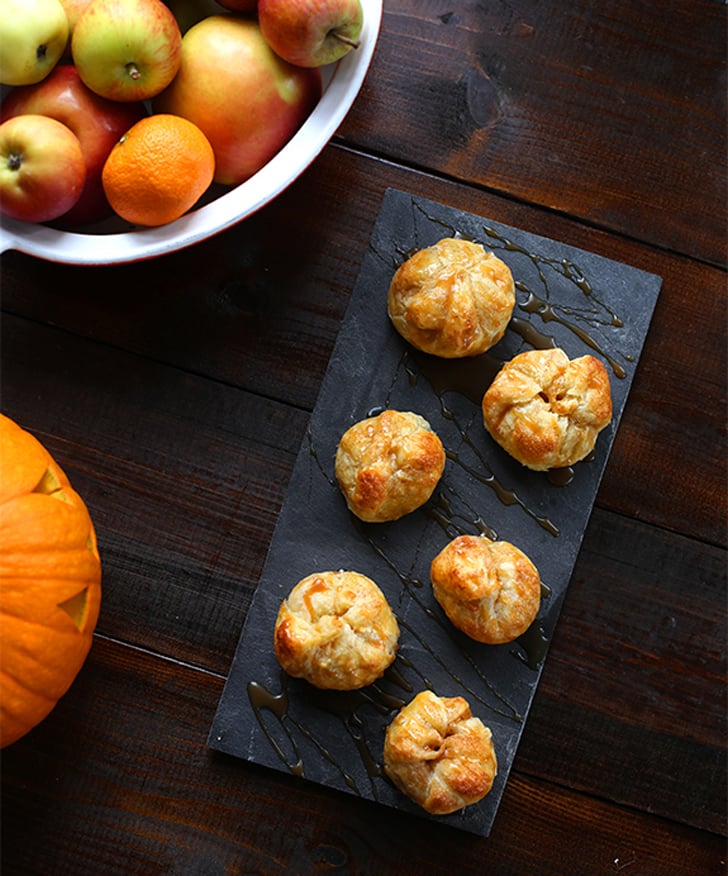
118	780
184	478
613	113
632	702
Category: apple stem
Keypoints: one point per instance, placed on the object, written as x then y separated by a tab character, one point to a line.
133	70
354	44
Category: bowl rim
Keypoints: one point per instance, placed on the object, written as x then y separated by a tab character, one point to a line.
342	83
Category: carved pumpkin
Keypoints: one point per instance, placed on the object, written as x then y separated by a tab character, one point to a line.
50	582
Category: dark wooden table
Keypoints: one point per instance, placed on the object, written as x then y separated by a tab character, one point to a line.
176	394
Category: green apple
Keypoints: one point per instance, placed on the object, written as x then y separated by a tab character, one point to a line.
311	33
127	50
42	168
33	36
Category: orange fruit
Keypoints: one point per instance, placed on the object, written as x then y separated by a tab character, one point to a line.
158	170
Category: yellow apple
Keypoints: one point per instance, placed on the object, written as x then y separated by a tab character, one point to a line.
33	37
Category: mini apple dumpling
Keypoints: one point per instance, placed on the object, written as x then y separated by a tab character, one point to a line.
546	410
389	465
440	755
490	590
452	299
336	630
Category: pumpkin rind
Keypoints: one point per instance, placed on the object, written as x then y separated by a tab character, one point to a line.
50	582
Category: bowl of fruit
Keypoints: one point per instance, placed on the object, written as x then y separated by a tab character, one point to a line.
130	129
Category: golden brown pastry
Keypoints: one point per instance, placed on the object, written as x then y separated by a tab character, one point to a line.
547	410
439	755
452	299
490	590
336	630
388	465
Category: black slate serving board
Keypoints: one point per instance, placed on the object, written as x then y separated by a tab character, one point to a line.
566	297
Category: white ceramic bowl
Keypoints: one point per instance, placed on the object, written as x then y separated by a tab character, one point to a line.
342	83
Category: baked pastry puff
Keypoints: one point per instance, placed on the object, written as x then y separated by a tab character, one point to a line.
388	465
490	590
336	630
452	299
439	755
546	410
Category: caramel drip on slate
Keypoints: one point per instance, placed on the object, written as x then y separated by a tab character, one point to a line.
560	477
312	452
440	509
261	699
535	644
504	710
343	705
546	311
534	641
469	378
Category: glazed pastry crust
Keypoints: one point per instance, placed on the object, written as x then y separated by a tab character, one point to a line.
336	630
452	299
439	755
546	410
389	465
490	590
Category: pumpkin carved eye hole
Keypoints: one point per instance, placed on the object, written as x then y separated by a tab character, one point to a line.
75	607
49	485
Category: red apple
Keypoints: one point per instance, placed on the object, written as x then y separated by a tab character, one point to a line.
247	100
98	123
311	33
42	170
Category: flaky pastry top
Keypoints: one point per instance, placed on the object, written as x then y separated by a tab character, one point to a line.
490	590
388	465
440	755
546	410
452	299
336	630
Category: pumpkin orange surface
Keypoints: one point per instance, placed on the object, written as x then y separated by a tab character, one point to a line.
50	582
